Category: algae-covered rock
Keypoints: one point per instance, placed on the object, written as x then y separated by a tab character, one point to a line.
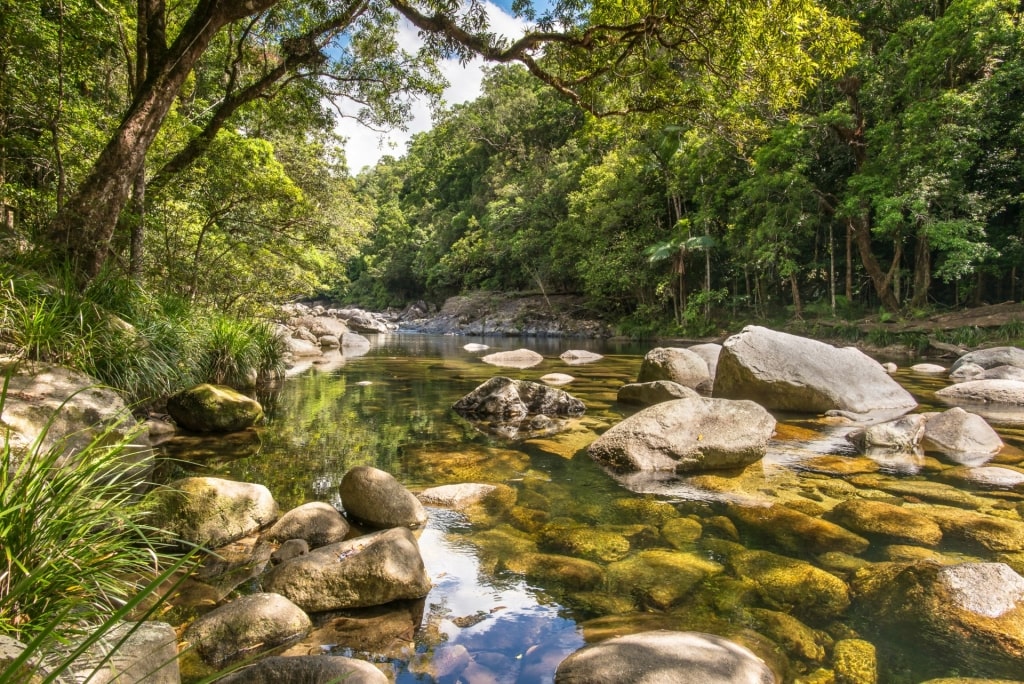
571	573
662	578
645	510
979	530
795	531
984	477
211	512
855	662
245	626
880	519
921	490
585	541
792	585
796	638
680	533
213	408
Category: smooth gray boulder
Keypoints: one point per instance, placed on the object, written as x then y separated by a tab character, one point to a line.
316	522
649	393
211	512
375	498
354	344
967	371
329	342
1010	392
316	669
319	326
213	408
792	373
928	369
902	434
299	347
519	358
132	653
963	436
677	365
505	399
687	435
992	357
366	571
710	352
664	657
246	625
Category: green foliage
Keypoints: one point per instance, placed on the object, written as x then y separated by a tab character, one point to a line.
237	353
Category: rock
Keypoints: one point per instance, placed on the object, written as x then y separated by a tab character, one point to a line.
58	404
791	373
473	347
30	672
664	657
354	344
963	436
363	321
649	393
687	435
792	585
928	369
681	533
316	522
576	357
676	365
795	531
329	342
1005	373
967	371
855	662
366	571
292	548
795	637
658	577
211	512
557	379
902	434
564	571
456	496
970	615
247	625
507	399
890	367
318	669
132	653
520	358
587	541
214	408
880	519
376	498
710	353
990	358
978	530
299	347
984	392
984	477
319	326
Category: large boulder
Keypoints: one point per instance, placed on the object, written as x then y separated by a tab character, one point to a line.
664	657
648	393
791	373
687	435
1010	392
710	352
961	435
211	512
375	498
902	434
366	571
213	408
676	365
503	398
991	358
971	615
319	325
61	405
316	522
318	669
247	625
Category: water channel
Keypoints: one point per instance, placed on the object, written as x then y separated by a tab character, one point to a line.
492	616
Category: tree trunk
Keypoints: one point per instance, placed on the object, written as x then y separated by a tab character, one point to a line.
82	230
798	308
922	271
882	282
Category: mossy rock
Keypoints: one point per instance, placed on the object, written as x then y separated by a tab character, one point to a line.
214	408
645	510
658	577
598	603
527	519
571	573
210	511
879	519
499	543
795	531
977	530
855	662
593	543
796	638
920	490
681	533
793	585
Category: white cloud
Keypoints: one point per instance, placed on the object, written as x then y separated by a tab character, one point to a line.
365	147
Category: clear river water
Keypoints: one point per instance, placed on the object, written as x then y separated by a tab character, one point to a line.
508	603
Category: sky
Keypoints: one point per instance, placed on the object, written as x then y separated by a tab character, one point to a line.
365	147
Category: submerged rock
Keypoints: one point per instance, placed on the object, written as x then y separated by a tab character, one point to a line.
658	577
792	585
791	373
796	531
855	660
213	408
571	573
519	358
664	657
677	365
880	519
687	435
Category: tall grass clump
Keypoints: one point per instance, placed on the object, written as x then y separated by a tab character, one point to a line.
239	353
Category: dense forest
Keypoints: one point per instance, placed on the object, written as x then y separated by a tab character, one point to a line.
671	162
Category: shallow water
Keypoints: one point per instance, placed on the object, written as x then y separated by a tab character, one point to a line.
492	616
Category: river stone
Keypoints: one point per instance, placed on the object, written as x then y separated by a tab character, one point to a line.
970	613
507	399
924	490
456	496
213	408
659	577
676	365
519	358
687	435
319	325
1005	373
649	393
587	541
60	404
795	637
299	347
681	533
792	585
366	571
557	379
576	357
329	342
979	530
961	435
211	512
129	653
571	573
880	519
795	531
967	371
902	434
984	477
928	369
375	498
354	344
855	661
316	522
984	392
318	669
664	657
791	373
245	626
990	358
710	353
